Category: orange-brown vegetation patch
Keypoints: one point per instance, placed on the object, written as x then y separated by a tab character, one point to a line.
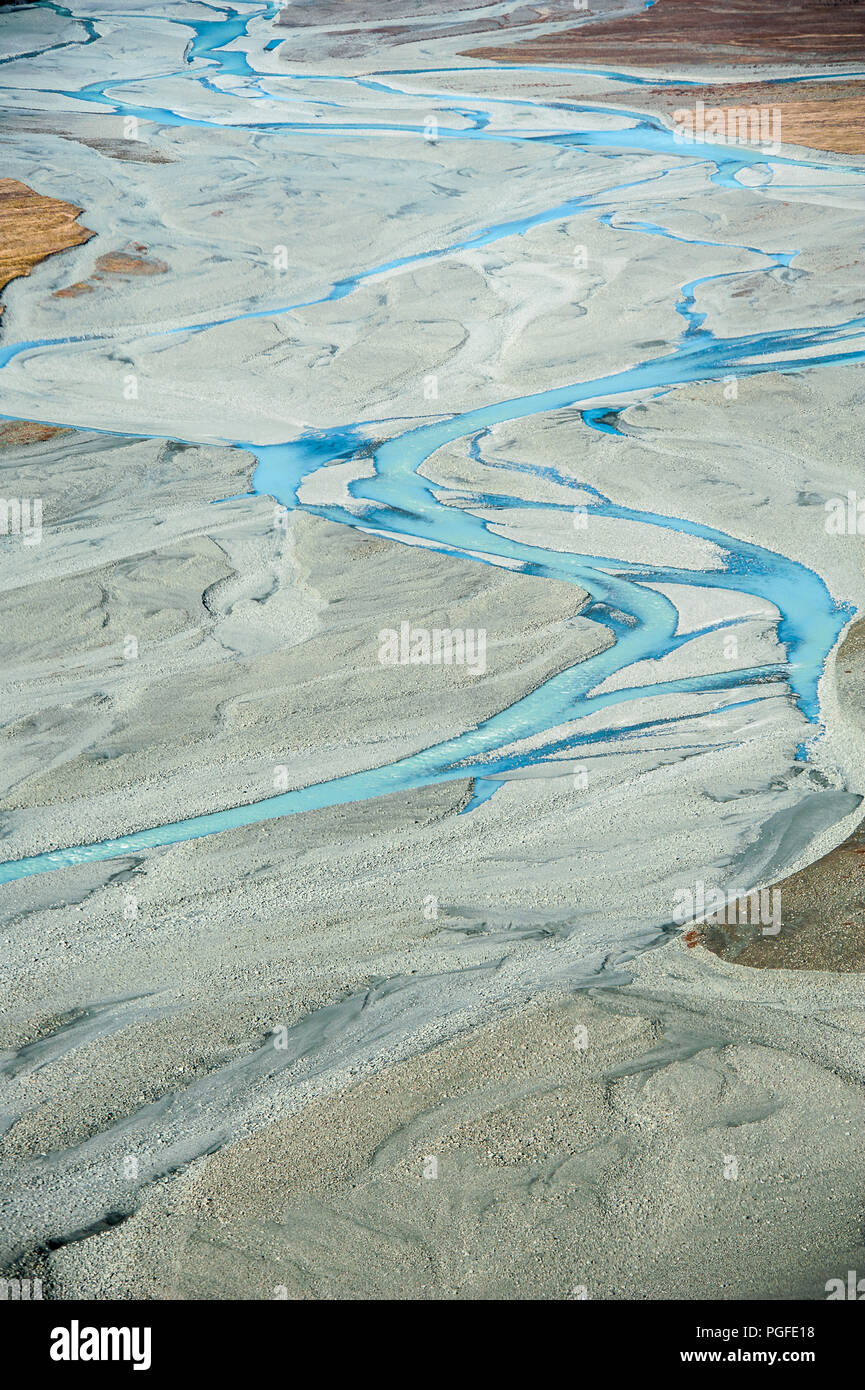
819	115
123	263
17	432
130	261
33	227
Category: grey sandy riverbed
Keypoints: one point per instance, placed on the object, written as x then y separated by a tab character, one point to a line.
364	338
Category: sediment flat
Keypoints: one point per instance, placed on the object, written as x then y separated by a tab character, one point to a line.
380	323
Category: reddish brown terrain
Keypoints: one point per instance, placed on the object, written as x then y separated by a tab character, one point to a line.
32	228
680	33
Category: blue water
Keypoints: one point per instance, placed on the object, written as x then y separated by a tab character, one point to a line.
402	503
